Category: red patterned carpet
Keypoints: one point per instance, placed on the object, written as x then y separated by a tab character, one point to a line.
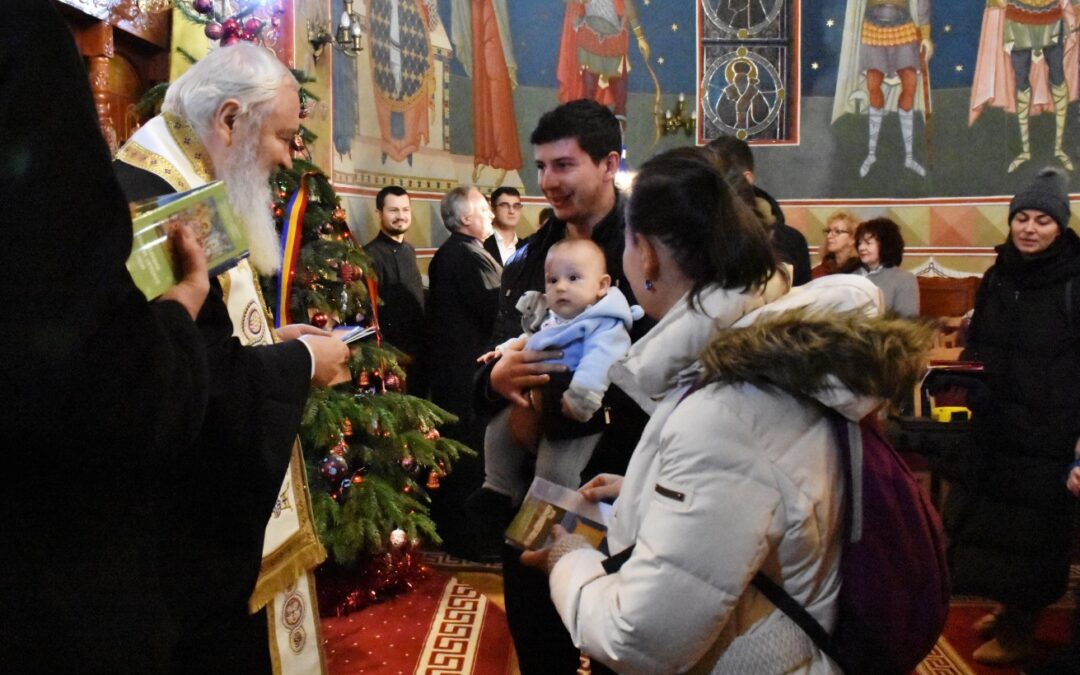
443	627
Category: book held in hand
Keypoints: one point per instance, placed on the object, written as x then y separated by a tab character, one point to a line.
548	503
206	209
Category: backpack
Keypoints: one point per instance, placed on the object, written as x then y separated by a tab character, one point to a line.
894	589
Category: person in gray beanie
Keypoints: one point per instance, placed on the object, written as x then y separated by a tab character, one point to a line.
1047	192
1010	526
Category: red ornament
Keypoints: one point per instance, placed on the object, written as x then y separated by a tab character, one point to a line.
278	212
203	6
214	30
319	319
407	463
231	27
346	273
252	26
392	382
363	379
339	450
433	480
433	435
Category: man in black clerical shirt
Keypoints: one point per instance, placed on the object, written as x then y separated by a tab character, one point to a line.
401	312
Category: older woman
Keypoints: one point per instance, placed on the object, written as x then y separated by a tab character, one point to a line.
839	255
881	249
738	477
1012	527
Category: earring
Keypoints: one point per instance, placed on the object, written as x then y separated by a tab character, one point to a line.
649	285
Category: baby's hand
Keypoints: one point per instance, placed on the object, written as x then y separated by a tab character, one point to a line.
489	357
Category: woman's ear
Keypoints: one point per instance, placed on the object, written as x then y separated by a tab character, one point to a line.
650	258
223	123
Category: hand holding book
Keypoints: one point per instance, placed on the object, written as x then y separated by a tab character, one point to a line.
190	259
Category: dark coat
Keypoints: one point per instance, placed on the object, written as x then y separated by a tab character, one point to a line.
464	297
103	391
1012	523
226	490
492	247
542	643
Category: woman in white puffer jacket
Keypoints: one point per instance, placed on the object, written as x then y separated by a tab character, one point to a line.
743	475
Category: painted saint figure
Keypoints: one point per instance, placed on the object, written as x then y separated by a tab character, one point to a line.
1036	40
482	42
402	74
594	52
880	62
743	104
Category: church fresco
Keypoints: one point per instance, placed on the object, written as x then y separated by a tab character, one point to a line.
961	121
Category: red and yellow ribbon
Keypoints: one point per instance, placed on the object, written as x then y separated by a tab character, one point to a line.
292	230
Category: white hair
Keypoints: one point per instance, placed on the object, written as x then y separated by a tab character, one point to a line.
248	73
455	206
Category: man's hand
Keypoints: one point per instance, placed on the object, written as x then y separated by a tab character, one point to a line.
331	360
191	259
295	330
602	486
519	370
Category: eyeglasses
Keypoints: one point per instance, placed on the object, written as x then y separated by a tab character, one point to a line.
510	205
835	233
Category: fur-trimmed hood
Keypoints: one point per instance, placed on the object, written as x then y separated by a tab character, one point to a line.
846	360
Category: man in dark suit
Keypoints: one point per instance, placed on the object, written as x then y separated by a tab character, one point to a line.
462	303
103	390
233	116
506	205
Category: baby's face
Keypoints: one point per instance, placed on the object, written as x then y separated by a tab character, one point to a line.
573	279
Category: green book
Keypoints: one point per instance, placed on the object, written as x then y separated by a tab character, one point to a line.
206	209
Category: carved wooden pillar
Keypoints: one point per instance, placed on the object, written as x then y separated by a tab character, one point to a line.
126	53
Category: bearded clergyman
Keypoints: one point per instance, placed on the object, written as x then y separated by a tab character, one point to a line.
238	536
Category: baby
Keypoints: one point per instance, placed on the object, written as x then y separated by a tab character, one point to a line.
582	315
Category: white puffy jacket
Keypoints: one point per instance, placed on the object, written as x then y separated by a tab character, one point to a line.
734	479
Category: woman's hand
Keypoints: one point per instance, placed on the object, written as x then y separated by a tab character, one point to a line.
519	370
539	557
602	486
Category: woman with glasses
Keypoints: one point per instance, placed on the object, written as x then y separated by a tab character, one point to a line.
840	256
881	248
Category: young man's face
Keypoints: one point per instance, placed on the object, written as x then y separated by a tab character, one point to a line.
575	185
507	211
396	215
574	278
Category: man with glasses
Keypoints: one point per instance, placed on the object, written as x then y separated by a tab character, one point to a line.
506	203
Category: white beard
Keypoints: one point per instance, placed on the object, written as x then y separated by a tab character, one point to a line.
250	196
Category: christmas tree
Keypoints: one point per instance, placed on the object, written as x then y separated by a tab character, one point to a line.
372	451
